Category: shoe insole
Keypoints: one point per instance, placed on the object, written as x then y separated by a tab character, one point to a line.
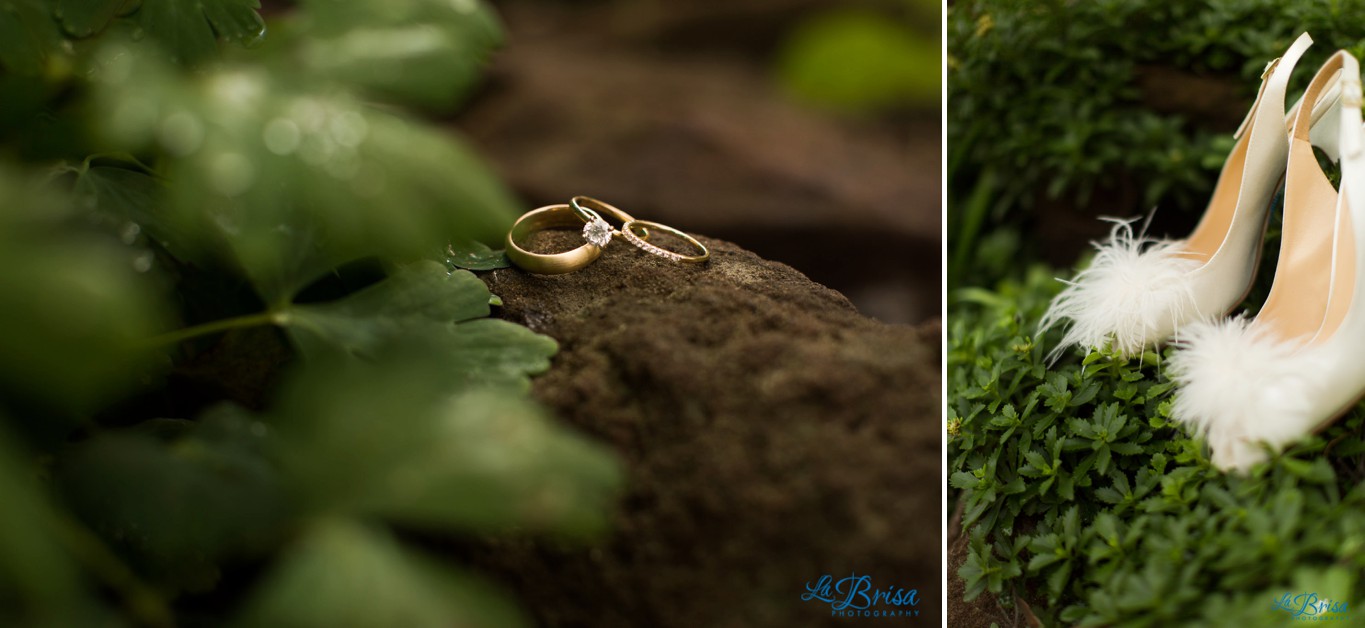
1213	228
1315	273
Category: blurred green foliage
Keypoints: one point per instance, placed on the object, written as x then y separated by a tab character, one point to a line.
179	190
1045	106
860	59
1081	498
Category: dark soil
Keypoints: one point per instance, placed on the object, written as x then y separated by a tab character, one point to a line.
772	435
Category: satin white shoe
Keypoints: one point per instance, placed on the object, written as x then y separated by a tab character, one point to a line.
1252	385
1138	291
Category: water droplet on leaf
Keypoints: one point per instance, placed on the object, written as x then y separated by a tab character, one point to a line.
143	262
255	39
130	232
281	136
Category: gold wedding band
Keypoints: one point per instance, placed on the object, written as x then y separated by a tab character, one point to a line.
628	229
550	217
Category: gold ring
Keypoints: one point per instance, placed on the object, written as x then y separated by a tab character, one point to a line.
549	217
584	206
628	229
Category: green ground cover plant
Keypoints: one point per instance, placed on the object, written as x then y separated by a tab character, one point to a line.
1079	497
241	358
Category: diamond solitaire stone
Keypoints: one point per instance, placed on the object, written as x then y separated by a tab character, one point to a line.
597	232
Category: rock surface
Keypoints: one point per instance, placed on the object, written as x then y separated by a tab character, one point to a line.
772	435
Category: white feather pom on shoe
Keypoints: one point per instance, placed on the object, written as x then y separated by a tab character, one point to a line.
1136	292
1239	386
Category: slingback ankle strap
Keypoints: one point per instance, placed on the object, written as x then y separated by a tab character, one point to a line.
1275	81
1343	70
1351	140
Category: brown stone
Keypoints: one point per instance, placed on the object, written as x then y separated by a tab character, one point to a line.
772	434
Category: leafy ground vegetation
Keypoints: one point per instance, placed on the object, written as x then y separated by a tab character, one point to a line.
1078	496
1079	502
239	360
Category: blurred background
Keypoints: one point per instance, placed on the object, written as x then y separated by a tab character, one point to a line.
804	130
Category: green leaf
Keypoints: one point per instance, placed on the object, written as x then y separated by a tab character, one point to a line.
963	480
1108	495
367	320
137	199
476	256
428	309
28	36
343	573
423	52
39	581
177	506
83	18
287	182
187	29
1318	471
76	312
392	437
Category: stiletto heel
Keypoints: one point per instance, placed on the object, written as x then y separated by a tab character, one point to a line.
1138	291
1245	384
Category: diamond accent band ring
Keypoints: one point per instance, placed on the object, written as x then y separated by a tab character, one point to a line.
628	230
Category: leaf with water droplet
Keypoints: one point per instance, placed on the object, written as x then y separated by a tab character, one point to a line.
288	184
187	29
75	313
135	197
83	18
429	53
476	256
426	306
362	322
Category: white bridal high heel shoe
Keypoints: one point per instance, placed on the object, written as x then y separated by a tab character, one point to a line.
1297	365
1139	291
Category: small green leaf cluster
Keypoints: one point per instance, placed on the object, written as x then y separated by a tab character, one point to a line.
1080	496
1046	105
240	360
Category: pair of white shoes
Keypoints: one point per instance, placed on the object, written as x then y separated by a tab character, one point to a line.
1251	385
